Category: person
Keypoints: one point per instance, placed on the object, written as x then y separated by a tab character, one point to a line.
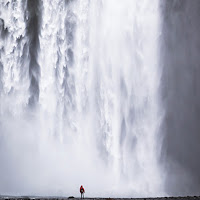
82	191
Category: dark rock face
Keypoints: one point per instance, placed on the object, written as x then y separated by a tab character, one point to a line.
33	21
180	59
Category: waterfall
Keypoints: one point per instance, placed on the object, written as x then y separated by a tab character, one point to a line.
79	97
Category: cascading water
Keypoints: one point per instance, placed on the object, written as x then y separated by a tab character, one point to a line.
79	97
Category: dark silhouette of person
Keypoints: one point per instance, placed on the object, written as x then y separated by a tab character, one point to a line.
82	191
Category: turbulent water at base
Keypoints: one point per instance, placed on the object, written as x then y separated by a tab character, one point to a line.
79	97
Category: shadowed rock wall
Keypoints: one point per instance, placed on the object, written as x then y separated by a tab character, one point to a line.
180	59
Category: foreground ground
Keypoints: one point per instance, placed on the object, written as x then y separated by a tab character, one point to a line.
72	198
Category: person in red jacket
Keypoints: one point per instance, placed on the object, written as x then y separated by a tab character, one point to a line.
82	191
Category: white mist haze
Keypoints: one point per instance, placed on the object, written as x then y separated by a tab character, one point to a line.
80	100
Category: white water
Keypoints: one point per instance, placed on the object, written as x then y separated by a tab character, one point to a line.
98	117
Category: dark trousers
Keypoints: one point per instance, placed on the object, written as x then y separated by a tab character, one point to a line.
82	195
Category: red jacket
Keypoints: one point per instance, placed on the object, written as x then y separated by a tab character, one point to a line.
82	189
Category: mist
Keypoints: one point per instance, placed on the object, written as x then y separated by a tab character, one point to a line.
101	93
80	98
